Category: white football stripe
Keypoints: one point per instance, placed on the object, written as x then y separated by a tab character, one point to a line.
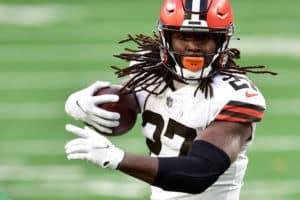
195	8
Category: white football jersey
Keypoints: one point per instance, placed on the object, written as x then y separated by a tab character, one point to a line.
172	120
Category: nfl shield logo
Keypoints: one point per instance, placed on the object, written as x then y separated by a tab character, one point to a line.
169	102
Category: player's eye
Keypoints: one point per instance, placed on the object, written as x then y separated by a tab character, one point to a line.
186	36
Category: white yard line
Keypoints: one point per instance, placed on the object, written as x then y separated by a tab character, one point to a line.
38	14
82	188
32	110
257	45
12	148
267	190
52	80
40	173
271	45
56	147
270	189
128	187
283	106
54	110
28	15
50	13
276	143
72	180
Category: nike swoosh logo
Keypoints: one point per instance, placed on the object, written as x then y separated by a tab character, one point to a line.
250	94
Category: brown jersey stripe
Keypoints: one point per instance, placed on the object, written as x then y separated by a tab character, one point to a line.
229	116
246	105
241	112
239	115
231	119
245	111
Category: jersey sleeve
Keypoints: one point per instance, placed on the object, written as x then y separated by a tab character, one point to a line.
241	101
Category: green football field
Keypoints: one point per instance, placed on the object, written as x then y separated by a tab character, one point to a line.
50	49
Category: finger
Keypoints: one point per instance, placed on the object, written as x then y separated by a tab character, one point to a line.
77	141
79	156
100	112
76	130
98	142
77	149
100	128
99	84
105	98
90	105
105	122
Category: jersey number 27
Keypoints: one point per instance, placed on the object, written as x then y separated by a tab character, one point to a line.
173	128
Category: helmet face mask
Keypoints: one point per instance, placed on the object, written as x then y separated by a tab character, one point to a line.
195	16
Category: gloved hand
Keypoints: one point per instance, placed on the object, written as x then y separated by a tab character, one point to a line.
84	106
92	147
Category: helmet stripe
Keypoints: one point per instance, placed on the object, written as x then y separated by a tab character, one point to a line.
203	6
196	6
189	5
203	9
188	8
196	9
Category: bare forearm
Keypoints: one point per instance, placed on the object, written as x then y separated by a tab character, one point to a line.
141	167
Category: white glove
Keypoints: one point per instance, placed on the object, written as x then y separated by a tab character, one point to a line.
92	147
84	106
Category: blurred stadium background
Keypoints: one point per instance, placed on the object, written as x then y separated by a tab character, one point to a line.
52	48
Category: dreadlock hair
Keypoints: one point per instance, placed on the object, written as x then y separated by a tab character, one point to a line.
148	72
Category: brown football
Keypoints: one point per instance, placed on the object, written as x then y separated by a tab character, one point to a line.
127	107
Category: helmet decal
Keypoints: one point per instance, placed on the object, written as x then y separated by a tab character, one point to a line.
172	13
195	9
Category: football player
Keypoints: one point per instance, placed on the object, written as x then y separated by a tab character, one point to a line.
198	107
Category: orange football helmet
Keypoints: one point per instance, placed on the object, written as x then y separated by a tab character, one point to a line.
206	16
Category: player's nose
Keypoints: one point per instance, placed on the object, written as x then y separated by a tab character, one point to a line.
193	46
